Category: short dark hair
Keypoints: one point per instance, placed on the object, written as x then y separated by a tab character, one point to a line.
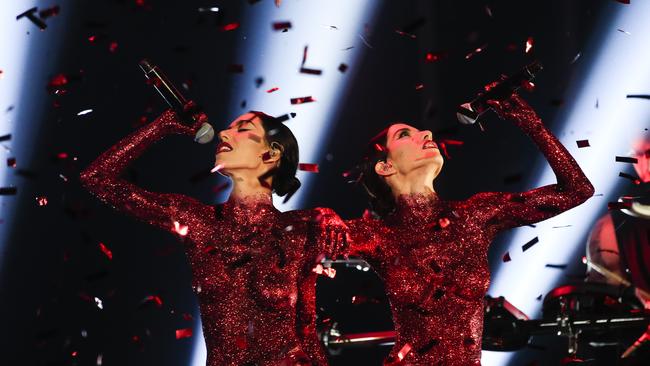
379	192
284	176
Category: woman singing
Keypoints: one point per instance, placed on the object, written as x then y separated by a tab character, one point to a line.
247	258
432	253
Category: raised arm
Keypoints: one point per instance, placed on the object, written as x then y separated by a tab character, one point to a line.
507	210
172	212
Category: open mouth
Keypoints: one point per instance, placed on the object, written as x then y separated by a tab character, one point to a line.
429	145
223	147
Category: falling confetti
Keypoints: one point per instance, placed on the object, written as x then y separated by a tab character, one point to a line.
583	143
312	168
475	52
107	252
639	96
506	257
31	15
402	33
634	179
42	201
625	159
302	100
180	229
529	44
11	162
85	111
99	303
281	26
343	67
619	205
216	168
273	89
112	47
624	31
230	26
532	242
305	70
183	333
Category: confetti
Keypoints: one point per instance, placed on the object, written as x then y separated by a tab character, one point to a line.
11	162
6	191
305	70
625	159
624	31
42	201
432	57
230	26
30	14
57	83
583	143
302	100
404	351
183	333
634	179
180	229
152	299
401	33
557	266
506	257
475	52
304	55
639	96
273	89
285	117
364	40
619	205
532	242
6	137
112	47
281	26
259	81
216	168
529	44
343	67
85	111
99	303
305	167
107	252
576	57
419	87
213	9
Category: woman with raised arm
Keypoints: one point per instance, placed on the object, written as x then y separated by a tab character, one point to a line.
247	258
432	253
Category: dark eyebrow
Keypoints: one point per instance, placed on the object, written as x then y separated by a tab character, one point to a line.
400	130
242	121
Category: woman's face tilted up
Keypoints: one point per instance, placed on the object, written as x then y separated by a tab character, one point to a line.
409	152
243	148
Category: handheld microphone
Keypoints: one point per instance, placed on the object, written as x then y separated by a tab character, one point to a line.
174	99
468	113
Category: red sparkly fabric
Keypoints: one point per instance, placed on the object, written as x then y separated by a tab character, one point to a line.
432	253
247	258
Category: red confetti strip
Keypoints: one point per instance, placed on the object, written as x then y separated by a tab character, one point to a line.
180	229
625	159
305	70
273	89
528	85
11	162
281	26
419	87
183	333
343	67
92	38
634	179
304	55
106	251
529	44
402	33
154	299
475	52
112	47
506	257
302	100
404	351
42	201
532	242
31	15
312	168
230	26
583	143
379	148
431	57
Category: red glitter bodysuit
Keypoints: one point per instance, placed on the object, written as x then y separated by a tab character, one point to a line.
432	253
247	258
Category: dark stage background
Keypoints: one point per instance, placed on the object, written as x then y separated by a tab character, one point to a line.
52	266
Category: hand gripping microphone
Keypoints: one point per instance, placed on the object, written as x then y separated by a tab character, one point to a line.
175	99
468	113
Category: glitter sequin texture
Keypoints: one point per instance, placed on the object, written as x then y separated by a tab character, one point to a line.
247	258
432	253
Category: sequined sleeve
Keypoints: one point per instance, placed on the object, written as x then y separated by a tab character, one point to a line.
508	210
176	213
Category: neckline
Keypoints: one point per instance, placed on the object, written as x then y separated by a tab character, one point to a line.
417	206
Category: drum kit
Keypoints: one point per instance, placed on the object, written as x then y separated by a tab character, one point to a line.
588	315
